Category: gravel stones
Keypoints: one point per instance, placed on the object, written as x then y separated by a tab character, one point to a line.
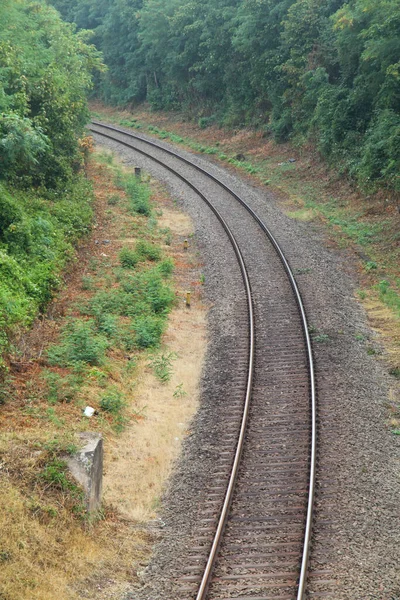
356	536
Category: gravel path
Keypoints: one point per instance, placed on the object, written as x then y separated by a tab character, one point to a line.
356	531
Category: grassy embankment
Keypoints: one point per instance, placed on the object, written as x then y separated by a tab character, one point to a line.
101	343
367	227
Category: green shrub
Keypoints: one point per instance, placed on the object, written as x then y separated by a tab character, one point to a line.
148	251
138	194
113	401
148	330
128	258
79	343
108	324
60	389
166	267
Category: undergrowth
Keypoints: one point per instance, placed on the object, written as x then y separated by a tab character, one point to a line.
37	236
124	312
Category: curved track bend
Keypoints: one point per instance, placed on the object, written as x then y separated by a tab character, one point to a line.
254	538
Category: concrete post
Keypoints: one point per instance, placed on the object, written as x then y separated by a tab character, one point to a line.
86	466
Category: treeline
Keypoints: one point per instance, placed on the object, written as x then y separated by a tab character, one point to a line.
45	74
319	70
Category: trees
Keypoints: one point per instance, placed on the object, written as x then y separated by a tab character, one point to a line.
45	72
321	69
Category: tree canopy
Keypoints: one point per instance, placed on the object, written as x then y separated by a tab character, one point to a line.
45	74
325	70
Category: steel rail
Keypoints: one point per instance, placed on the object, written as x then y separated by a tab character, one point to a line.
313	395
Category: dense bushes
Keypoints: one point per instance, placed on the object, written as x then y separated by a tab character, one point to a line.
36	239
45	72
325	70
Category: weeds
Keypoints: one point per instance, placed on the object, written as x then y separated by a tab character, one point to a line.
128	258
113	402
79	343
148	331
179	391
148	251
114	200
321	338
395	371
162	366
138	195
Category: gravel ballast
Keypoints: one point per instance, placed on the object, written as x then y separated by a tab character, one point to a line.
356	533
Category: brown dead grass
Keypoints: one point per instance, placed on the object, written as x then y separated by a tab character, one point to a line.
46	552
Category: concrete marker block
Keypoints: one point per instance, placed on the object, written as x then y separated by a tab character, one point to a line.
86	466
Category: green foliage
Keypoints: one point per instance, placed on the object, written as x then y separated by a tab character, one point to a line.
60	389
113	401
325	70
128	258
36	236
55	475
162	366
45	73
79	343
148	331
166	267
148	251
179	391
138	195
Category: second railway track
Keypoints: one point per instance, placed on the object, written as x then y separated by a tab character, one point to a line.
253	539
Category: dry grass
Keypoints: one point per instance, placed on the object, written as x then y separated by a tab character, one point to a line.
46	551
142	458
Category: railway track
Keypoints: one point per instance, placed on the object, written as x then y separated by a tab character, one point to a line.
253	539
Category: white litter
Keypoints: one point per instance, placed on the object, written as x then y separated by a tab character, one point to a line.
89	411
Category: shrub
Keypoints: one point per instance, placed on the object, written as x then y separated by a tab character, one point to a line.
148	251
128	258
80	343
166	267
148	331
113	401
138	194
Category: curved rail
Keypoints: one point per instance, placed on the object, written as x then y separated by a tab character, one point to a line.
313	401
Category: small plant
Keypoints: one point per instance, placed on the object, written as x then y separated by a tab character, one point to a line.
128	258
148	251
166	267
303	271
112	402
138	194
148	331
107	324
80	343
370	265
162	366
113	200
179	391
55	475
202	279
321	338
371	351
395	372
359	337
87	283
362	294
60	389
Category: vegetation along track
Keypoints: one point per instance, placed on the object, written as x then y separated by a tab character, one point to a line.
257	545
